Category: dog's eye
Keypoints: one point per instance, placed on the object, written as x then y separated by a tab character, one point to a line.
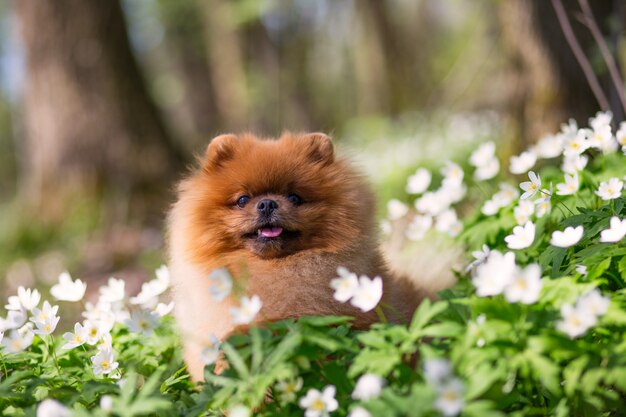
242	201
294	199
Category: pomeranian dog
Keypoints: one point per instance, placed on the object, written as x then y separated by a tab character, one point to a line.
281	215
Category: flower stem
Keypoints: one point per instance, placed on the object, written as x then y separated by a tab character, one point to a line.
54	354
381	314
4	365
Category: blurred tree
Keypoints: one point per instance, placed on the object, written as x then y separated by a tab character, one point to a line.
226	62
552	87
184	28
89	123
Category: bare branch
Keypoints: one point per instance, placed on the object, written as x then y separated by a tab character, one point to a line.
580	56
590	22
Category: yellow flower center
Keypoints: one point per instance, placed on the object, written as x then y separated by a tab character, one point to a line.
450	396
318	405
105	365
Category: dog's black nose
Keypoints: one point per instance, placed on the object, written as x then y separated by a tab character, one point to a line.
266	207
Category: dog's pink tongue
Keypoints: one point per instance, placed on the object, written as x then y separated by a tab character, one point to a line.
271	231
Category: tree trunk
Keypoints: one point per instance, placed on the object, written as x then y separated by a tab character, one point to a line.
89	123
551	85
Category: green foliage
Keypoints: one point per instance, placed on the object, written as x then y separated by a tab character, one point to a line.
505	358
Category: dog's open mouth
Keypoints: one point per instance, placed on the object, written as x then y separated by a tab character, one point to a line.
271	232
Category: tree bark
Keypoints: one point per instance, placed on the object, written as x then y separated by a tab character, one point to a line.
89	123
551	86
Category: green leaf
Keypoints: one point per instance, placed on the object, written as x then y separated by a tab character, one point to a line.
235	360
599	269
482	408
445	329
284	349
424	313
546	370
572	373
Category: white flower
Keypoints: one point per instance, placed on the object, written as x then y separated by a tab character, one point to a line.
92	331
479	257
525	286
75	339
113	291
450	397
418	182
142	321
68	290
319	404
221	283
615	232
522	163
106	403
238	410
359	412
574	163
575	321
602	138
432	203
52	408
490	207
163	309
250	307
593	303
523	211
163	276
549	146
507	194
581	269
367	387
570	186
15	319
446	221
26	297
385	227
397	209
451	192
601	120
576	145
620	135
495	274
483	155
452	174
569	237
543	203
419	226
487	171
610	189
530	187
345	286
1	336
522	237
45	319
211	351
148	297
368	294
437	370
106	342
104	362
18	341
288	389
569	129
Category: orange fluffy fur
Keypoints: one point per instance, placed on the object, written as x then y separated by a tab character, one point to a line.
333	226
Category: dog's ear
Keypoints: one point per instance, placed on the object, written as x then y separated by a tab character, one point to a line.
320	148
220	149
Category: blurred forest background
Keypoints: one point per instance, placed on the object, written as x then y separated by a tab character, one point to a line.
103	104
